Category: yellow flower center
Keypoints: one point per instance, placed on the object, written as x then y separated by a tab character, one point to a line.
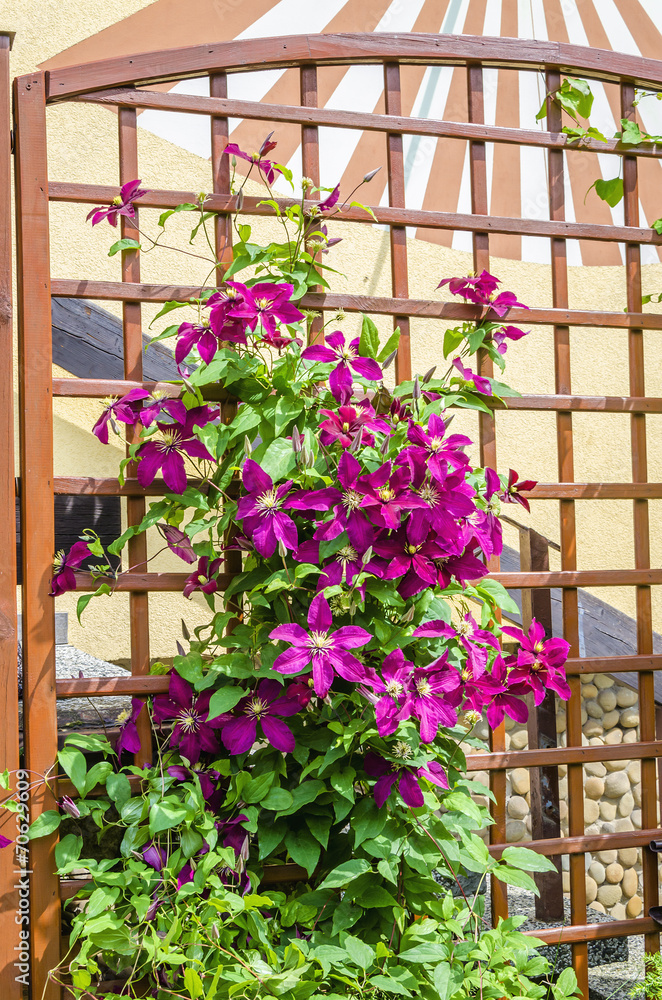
320	640
394	688
386	494
347	554
423	687
351	499
402	750
269	500
189	720
257	707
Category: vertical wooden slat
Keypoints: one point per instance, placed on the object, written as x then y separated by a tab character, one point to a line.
567	534
640	518
398	234
487	442
9	759
133	371
37	520
310	164
218	87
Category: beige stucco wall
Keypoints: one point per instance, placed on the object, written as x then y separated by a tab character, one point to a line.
83	147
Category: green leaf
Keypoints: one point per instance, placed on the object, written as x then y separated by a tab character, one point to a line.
269	837
513	876
359	952
95	744
367	820
527	860
223	700
277	799
68	850
255	789
75	765
97	775
124	244
85	599
631	134
369	340
499	595
168	307
345	873
390	985
443	980
610	191
566	984
304	849
304	793
391	345
374	896
186	206
165	815
285	412
119	789
47	822
279	459
452	340
320	826
657	226
426	952
193	983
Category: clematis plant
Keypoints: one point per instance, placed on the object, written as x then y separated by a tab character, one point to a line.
306	778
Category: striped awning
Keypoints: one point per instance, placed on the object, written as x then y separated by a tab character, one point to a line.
436	170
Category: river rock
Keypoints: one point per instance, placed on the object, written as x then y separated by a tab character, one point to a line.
515	831
628	856
629	718
595	768
608	811
518	807
626	804
616	784
589	690
598	907
593	728
623	825
616	765
618	912
594	709
634	771
635	816
626	696
630	883
594	788
631	735
607	857
591	889
614	736
597	872
607	699
561	722
587	678
591	811
608	895
634	906
520	781
614	873
610	719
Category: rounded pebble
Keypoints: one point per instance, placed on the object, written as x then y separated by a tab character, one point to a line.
598	907
623	825
608	895
610	719
626	696
617	912
628	856
519	740
594	788
614	736
593	728
597	872
630	883
631	736
616	765
616	784
635	816
565	878
614	873
607	699
515	831
626	804
607	857
591	889
595	768
518	807
608	812
594	709
589	690
587	678
603	681
519	780
591	811
630	718
634	906
634	771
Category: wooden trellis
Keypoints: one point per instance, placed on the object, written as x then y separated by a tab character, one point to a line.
113	83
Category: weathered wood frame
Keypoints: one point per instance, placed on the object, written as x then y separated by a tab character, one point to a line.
112	82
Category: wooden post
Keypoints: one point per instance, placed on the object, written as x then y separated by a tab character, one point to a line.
544	787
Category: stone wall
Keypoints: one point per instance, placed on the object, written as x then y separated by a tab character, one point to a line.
612	793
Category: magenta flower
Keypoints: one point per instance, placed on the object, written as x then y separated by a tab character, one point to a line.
128	739
507	333
393	686
124	409
265	303
514	489
480	289
268	168
407	779
178	542
121	205
166	453
482	385
348	422
492	483
327	651
466	632
428	698
509	701
65	567
193	731
539	662
5	841
439	452
347	357
159	403
463	568
67	804
445	504
206	777
261	511
484	530
409	553
205	577
155	856
329	201
344	503
266	706
387	495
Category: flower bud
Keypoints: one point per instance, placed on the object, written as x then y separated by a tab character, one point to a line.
282	551
69	806
297	441
367	556
340	316
306	182
248	447
408	615
390	359
428	375
368	177
356	441
240	200
416	391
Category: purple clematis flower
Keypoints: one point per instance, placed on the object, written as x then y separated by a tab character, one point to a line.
345	504
439	452
507	333
268	703
178	542
430	697
126	409
67	804
5	841
65	567
342	567
327	651
121	205
330	200
261	510
160	402
393	686
155	856
509	701
480	289
348	422
165	454
205	577
409	553
206	776
347	357
514	489
539	662
258	159
483	529
193	731
128	739
387	495
265	303
482	385
407	779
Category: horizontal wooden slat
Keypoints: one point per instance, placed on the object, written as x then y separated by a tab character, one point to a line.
240	55
563	755
595	932
613	664
383	214
367	121
115	291
98	687
580	578
75	486
596	491
138	582
555	846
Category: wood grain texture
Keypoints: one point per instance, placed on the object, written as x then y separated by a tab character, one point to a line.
9	757
333	49
36	443
397	234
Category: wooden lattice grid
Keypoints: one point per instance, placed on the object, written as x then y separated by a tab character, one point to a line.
113	83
